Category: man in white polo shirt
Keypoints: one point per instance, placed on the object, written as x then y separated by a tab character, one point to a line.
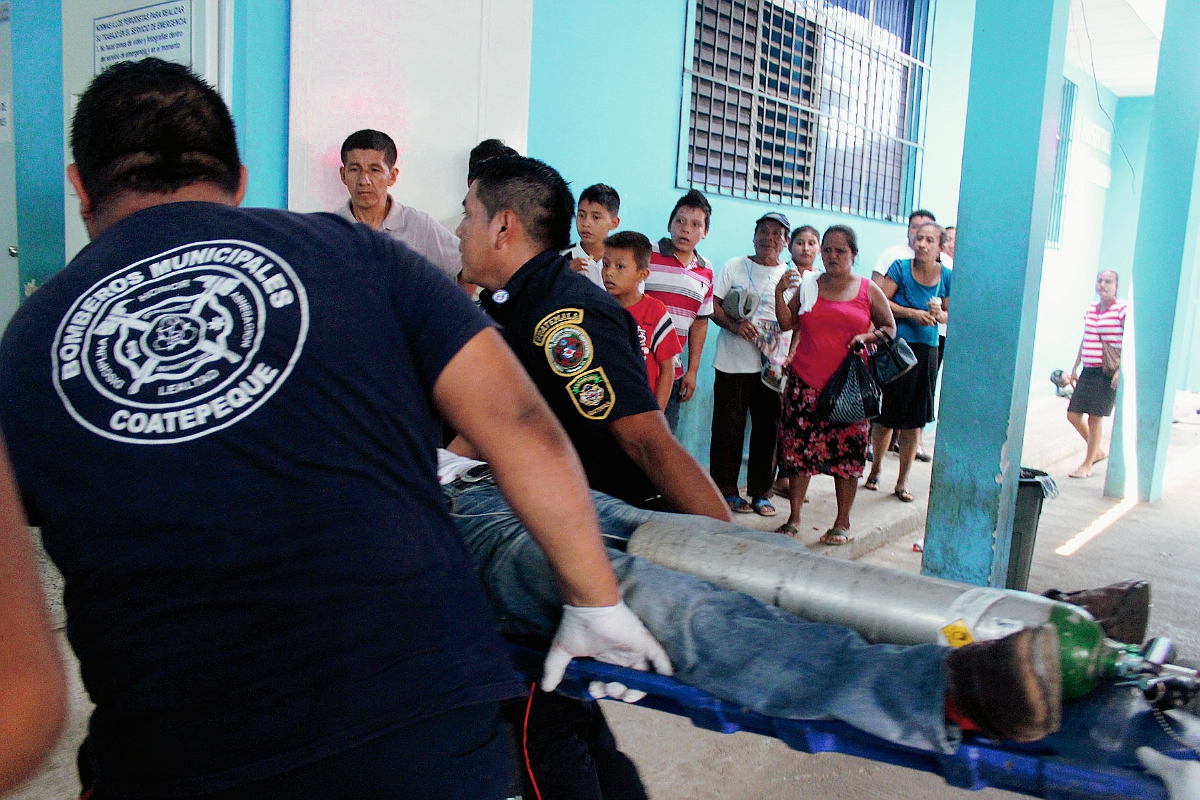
369	170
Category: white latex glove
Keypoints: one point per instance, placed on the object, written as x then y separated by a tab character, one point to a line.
1181	777
612	634
617	691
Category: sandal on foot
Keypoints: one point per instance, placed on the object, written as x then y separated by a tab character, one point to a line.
738	504
923	457
787	528
1081	473
762	506
872	484
836	536
902	494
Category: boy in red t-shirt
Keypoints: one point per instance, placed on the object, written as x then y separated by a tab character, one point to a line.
626	265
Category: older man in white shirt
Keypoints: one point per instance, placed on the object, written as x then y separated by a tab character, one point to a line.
369	170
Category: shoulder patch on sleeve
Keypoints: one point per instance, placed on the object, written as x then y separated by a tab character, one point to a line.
562	316
592	394
568	349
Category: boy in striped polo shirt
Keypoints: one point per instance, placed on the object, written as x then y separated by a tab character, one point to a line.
682	280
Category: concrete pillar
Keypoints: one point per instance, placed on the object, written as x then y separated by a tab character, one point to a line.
37	48
1131	129
1004	208
1165	255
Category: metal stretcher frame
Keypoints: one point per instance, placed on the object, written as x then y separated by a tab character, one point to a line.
1035	770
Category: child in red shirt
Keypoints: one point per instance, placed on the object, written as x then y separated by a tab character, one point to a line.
626	266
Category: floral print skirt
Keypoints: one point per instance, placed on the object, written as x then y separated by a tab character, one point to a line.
808	445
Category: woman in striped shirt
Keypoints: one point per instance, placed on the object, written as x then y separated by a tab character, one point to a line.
1096	386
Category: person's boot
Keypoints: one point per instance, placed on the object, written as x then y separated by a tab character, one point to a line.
1122	609
1012	687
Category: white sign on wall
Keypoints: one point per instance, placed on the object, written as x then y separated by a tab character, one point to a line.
6	133
163	30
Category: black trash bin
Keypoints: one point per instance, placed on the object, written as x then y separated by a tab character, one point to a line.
1034	487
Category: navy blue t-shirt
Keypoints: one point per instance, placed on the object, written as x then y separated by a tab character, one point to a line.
222	420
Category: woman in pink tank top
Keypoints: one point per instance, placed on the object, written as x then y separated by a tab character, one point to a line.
846	311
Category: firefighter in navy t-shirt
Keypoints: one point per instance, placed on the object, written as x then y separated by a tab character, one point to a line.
224	421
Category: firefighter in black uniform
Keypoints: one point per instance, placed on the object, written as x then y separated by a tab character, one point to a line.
581	349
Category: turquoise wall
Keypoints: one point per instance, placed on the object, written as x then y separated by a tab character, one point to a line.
37	47
1069	271
604	106
259	105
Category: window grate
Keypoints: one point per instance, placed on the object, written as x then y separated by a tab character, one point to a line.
808	102
1065	121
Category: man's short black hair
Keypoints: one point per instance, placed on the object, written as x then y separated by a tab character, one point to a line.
152	126
488	148
693	199
602	195
632	241
368	139
532	190
921	212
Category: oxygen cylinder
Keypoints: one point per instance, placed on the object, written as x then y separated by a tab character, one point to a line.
883	605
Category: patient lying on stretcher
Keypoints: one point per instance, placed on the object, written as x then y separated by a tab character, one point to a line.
758	656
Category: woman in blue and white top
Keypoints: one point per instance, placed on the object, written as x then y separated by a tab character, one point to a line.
1096	387
919	292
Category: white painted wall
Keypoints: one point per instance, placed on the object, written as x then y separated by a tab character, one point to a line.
437	77
79	69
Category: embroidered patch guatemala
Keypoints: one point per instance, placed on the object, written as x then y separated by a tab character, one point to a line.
569	350
564	316
592	394
181	344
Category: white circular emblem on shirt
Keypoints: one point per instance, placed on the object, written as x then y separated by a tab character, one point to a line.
181	344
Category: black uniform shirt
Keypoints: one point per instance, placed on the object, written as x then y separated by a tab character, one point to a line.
581	349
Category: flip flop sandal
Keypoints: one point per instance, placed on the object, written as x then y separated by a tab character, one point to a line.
762	506
788	529
903	495
738	504
872	484
836	536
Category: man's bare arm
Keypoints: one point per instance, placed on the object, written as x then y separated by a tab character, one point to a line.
510	426
683	482
32	685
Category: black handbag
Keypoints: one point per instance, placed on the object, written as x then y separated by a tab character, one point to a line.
851	394
892	358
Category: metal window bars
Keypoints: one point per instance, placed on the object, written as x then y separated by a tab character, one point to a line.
808	102
1066	120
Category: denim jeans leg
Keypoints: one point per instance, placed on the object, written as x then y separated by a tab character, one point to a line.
737	648
725	643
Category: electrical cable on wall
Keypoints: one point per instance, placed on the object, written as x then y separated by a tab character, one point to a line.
1103	110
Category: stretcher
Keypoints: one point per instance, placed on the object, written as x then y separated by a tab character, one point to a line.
1090	758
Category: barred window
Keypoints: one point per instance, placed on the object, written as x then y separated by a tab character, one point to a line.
1065	122
807	102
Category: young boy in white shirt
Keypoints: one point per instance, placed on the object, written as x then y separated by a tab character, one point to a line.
596	217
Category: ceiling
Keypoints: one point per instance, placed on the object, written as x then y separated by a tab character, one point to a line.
1117	42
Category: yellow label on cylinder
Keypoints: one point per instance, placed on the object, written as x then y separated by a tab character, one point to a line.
957	634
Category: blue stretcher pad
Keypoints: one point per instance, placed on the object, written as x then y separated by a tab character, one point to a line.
1091	758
